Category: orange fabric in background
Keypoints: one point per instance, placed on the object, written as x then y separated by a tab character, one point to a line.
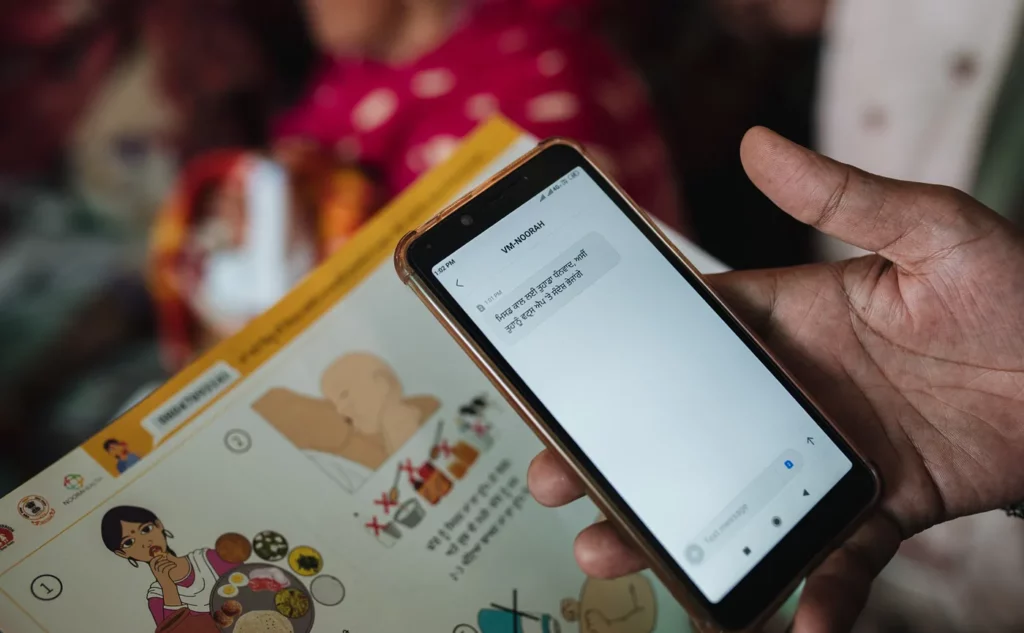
339	200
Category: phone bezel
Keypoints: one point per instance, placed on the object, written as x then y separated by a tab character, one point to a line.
832	516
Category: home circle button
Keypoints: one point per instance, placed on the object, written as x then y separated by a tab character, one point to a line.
694	554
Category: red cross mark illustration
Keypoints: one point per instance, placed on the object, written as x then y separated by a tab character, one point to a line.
443	448
375	526
385	502
410	469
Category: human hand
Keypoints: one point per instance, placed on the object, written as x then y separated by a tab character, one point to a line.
916	352
161	565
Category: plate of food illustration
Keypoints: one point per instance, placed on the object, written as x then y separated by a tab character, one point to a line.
261	598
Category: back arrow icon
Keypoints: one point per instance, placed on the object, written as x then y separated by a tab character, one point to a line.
810	441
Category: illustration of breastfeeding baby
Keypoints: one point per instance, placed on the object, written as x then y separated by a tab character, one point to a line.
180	582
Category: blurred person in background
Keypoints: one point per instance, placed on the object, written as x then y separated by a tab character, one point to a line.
402	81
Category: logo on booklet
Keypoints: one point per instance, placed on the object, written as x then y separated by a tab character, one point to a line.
78	486
36	509
6	537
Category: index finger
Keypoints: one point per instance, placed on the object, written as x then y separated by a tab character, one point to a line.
551	481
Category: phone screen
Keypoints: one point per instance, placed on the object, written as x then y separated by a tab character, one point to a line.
682	418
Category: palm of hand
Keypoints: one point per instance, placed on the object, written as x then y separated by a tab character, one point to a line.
921	370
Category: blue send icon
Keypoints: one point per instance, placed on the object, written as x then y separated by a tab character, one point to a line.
788	464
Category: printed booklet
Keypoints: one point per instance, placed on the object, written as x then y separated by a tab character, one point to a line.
338	466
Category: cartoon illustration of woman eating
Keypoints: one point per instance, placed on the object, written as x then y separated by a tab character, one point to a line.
180	582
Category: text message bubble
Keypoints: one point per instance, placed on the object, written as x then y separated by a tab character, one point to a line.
553	286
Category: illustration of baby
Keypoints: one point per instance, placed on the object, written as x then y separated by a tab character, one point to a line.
180	582
361	421
622	605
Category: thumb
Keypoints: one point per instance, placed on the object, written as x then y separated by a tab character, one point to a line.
907	223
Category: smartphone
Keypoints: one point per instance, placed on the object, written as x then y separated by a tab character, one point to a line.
685	430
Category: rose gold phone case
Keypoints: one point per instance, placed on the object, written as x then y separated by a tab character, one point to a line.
515	399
